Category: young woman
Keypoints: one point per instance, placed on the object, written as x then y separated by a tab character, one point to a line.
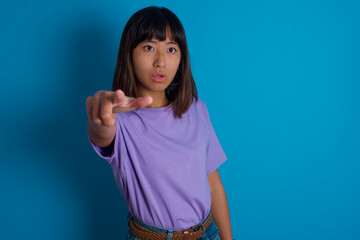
157	135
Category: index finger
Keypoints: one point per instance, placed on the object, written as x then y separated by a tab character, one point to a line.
141	102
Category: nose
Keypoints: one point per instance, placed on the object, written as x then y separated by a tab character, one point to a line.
159	61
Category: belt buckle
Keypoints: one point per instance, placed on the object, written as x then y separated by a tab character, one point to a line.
186	234
202	227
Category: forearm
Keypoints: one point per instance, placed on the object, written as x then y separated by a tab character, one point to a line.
220	209
102	136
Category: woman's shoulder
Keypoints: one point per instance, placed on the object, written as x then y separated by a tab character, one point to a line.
199	106
198	102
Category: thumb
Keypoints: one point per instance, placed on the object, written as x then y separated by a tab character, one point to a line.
118	96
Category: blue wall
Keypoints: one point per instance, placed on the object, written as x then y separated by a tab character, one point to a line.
281	82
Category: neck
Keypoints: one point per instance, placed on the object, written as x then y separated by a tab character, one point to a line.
159	99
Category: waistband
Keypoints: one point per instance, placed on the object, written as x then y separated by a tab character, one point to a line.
161	230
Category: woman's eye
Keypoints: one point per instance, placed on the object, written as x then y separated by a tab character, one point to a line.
148	48
172	50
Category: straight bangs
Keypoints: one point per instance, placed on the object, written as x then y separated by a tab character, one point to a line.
156	24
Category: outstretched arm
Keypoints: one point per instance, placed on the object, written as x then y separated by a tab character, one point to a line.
219	206
102	108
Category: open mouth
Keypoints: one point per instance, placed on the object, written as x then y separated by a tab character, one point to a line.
158	77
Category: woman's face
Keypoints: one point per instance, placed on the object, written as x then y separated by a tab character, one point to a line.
155	64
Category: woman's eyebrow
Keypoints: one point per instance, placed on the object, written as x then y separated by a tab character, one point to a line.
156	42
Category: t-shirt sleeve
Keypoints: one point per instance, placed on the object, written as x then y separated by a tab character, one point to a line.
215	154
110	155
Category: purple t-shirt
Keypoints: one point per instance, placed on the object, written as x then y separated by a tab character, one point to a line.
160	164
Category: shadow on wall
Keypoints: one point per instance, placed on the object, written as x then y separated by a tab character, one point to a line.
88	65
93	61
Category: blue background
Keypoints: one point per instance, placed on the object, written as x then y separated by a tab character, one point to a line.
281	82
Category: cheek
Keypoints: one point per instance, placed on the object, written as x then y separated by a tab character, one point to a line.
175	62
140	65
176	65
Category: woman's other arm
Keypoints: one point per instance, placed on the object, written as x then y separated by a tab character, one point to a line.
219	206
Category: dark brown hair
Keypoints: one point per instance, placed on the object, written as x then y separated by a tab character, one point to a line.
144	25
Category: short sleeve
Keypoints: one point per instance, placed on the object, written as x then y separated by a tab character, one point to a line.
215	154
110	155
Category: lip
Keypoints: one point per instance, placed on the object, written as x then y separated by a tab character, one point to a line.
155	77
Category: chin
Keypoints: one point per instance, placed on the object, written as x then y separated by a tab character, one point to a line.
159	86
